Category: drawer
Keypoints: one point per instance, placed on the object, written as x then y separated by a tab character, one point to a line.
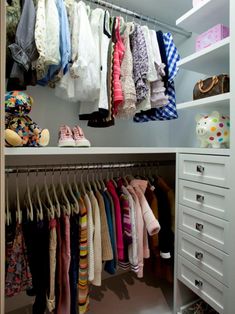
206	257
204	169
209	289
208	199
213	231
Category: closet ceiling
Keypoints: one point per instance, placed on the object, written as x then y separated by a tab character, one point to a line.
165	10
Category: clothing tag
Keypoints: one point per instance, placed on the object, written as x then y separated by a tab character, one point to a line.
105	189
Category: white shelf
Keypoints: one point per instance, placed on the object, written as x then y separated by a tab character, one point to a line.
57	151
210	61
200	19
219	101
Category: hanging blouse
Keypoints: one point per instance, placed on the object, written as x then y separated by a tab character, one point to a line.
140	63
47	36
128	86
118	55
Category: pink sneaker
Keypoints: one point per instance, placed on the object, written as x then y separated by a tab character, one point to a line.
66	137
79	137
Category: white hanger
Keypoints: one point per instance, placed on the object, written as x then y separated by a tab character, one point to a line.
82	183
18	210
57	203
51	212
40	210
29	200
76	207
67	207
75	182
8	213
88	181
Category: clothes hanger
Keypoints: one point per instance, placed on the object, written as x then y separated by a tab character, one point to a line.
50	208
18	209
97	178
75	182
66	207
103	186
88	181
57	203
8	213
82	183
39	212
93	183
29	200
76	205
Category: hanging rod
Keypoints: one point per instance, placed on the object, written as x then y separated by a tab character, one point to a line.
141	17
92	166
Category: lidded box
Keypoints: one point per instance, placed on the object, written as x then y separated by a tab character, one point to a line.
213	35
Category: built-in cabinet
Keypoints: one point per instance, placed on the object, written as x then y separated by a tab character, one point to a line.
205	186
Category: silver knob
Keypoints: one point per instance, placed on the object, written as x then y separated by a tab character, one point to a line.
199	255
200	198
200	169
199	226
198	283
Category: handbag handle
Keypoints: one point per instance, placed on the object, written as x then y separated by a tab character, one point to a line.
215	81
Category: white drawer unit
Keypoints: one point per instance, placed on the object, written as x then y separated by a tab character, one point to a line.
206	257
205	198
207	228
209	289
204	169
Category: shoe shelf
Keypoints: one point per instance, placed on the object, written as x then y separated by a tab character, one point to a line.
58	151
220	101
210	61
205	16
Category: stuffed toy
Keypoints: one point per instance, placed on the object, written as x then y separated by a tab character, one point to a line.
20	130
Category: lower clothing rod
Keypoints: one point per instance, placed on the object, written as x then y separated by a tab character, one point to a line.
91	166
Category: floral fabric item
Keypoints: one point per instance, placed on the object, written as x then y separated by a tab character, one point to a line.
18	275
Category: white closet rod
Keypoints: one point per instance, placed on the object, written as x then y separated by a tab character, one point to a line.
142	17
93	166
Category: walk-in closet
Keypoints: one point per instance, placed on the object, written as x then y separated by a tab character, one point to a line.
117	156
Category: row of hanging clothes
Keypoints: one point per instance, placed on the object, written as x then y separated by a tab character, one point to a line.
69	227
111	67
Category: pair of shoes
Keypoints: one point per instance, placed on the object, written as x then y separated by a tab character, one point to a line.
72	137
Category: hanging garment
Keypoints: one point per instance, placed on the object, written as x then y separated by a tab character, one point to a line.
58	287
140	231
13	13
37	241
101	35
65	263
118	54
166	237
118	219
107	252
110	266
133	247
97	240
18	275
127	109
47	36
83	288
90	236
140	63
52	256
161	45
81	82
74	265
23	50
55	72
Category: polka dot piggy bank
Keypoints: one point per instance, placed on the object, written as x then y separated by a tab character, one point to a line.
213	130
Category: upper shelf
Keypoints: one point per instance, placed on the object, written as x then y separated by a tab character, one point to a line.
218	100
211	60
58	151
210	13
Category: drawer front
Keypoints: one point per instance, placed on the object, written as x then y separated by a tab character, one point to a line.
213	231
209	289
206	257
205	198
204	169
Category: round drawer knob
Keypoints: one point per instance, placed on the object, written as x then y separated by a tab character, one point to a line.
199	255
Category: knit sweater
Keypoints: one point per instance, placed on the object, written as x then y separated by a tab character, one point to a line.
107	252
90	235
